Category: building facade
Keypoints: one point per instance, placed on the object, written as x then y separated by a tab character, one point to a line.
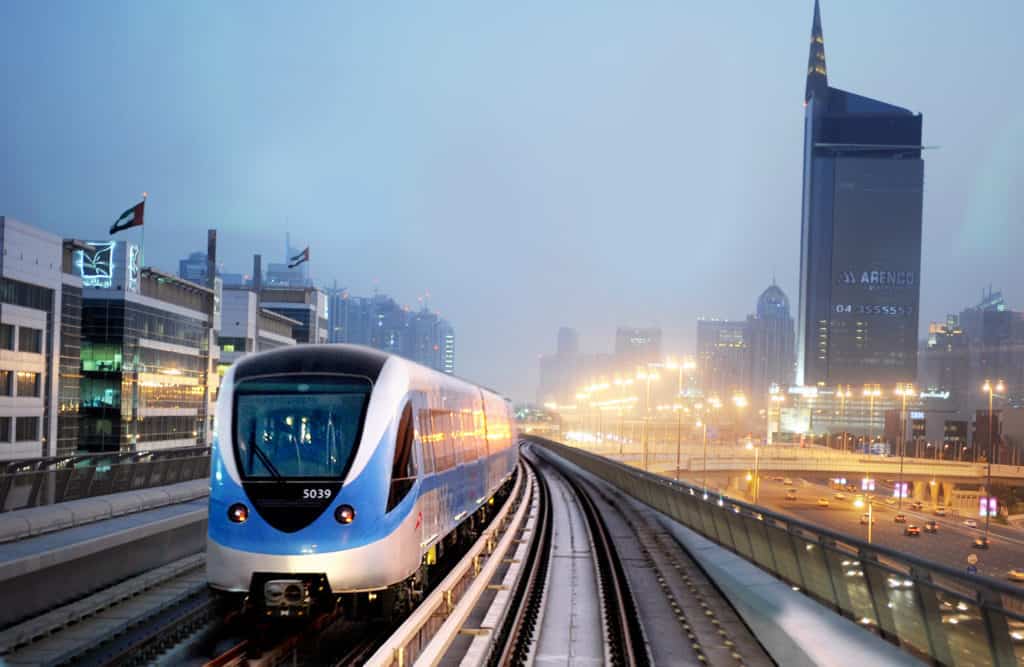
723	357
772	340
860	254
32	294
148	354
248	328
307	305
637	346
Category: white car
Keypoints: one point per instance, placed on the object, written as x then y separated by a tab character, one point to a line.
970	523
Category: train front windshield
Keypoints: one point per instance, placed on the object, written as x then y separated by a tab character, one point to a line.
297	426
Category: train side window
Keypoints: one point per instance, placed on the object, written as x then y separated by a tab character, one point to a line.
426	441
403	469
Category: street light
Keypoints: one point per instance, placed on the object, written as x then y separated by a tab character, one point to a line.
991	389
903	390
859	503
679	409
777	400
842	396
757	468
704	440
871	392
648	376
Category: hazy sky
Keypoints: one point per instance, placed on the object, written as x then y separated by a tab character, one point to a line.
531	164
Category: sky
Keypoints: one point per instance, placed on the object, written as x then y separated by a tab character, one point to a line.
530	164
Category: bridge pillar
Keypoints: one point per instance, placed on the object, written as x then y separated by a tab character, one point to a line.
933	492
737	485
919	490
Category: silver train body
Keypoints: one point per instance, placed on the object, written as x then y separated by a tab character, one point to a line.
340	469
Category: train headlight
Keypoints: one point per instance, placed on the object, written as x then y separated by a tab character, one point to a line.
345	514
238	513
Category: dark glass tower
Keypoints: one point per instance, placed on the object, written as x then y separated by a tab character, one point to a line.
860	241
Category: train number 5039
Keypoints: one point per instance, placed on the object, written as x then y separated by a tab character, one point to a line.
316	494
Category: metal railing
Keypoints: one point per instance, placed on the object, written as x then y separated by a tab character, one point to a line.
44	481
934	612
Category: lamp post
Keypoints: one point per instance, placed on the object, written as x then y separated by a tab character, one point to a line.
991	389
842	396
871	519
703	423
648	376
777	400
903	391
678	407
871	392
757	467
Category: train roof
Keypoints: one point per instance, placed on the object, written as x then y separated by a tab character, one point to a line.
332	358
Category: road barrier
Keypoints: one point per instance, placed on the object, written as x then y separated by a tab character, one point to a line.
932	611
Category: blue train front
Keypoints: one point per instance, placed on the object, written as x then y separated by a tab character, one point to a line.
338	469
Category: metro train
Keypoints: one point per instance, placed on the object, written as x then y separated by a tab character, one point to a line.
340	471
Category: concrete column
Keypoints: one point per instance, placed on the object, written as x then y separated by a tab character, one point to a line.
918	491
933	492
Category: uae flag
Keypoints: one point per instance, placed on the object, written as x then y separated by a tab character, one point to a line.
130	218
300	258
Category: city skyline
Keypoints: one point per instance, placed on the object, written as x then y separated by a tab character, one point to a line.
387	195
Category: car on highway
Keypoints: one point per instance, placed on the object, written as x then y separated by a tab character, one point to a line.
931	527
1016	574
822	502
890	501
779	478
982	543
970	523
900	518
840	496
912	531
864	519
940	511
917	505
791	494
788	481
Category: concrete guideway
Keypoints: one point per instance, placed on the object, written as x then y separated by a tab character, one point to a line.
59	566
930	611
684	619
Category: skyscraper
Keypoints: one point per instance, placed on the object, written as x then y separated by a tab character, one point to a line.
770	332
860	244
637	346
723	357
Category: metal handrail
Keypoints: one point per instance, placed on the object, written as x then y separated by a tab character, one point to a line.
45	481
923	590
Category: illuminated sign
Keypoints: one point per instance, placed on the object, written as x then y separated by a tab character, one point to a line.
867	484
917	415
97	266
874	279
901	490
133	268
987	506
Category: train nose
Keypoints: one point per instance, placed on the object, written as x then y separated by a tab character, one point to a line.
285	593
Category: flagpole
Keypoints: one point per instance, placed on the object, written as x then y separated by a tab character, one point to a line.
142	248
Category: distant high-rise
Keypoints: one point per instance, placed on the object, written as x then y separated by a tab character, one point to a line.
194	268
637	347
723	357
860	252
771	337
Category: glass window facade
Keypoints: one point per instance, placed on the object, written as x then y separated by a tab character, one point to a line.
6	336
6	383
26	429
69	388
30	340
5	429
27	383
125	379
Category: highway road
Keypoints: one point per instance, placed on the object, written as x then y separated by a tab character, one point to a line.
950	546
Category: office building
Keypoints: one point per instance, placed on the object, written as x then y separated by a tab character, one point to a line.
148	353
946	360
860	253
39	310
723	357
194	268
771	336
307	305
247	328
637	347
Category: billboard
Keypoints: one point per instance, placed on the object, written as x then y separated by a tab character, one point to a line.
876	264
